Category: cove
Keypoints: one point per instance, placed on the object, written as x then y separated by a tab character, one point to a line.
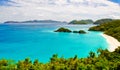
18	42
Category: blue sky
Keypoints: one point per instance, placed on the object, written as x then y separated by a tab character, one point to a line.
4	2
116	1
63	10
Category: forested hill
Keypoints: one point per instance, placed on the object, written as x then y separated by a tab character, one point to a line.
88	21
110	28
100	21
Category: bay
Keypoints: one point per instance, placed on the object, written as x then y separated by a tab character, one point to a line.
39	41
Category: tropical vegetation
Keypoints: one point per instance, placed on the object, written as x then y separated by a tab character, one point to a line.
103	60
110	28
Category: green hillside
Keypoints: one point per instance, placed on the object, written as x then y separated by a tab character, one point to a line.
100	21
111	28
81	22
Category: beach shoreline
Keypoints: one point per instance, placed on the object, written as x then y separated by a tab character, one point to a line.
113	43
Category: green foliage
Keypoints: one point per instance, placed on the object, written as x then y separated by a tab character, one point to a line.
111	28
92	54
117	50
62	29
81	22
104	61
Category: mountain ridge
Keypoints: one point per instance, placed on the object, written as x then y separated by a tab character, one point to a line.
36	21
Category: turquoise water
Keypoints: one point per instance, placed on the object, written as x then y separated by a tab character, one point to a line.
40	42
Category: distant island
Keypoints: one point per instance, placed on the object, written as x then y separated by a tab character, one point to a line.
84	21
101	21
88	21
35	21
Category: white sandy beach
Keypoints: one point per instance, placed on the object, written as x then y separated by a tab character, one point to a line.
113	43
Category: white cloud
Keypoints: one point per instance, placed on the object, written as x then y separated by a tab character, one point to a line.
64	10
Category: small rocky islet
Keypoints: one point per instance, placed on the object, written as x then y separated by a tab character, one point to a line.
62	29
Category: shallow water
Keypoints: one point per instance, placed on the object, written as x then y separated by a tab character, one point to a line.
40	42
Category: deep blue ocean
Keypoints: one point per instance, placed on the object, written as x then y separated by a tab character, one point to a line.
39	41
